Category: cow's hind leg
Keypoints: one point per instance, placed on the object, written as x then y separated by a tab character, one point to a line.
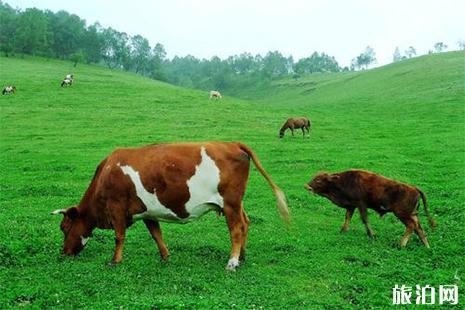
349	214
364	216
303	132
234	219
419	231
245	231
155	231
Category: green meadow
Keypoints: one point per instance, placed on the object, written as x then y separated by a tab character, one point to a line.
405	121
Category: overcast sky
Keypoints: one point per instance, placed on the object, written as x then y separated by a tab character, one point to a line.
343	29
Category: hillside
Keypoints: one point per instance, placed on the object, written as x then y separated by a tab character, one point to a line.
406	121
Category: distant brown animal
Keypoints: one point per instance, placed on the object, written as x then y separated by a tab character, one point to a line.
366	190
10	89
175	183
295	123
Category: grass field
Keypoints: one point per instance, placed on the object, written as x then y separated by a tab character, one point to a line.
406	121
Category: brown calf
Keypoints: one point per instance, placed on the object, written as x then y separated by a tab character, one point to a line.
366	190
295	123
167	182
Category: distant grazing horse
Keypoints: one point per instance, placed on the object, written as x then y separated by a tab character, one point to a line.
295	123
66	82
215	94
9	90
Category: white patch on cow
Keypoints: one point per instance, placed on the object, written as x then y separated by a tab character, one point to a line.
155	209
233	263
203	187
84	240
203	191
9	88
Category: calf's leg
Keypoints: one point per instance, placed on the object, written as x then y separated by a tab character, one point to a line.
363	214
233	215
155	231
419	231
410	226
349	214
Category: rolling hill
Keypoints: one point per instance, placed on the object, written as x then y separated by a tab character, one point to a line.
405	120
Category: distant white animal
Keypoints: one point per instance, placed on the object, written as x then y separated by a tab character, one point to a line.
66	82
69	77
215	94
9	89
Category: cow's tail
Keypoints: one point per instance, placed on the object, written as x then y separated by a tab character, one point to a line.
308	123
432	223
280	197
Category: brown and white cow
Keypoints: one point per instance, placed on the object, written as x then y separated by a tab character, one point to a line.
67	82
166	183
9	89
215	94
295	123
367	190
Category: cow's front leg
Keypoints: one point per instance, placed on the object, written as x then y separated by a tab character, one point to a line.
349	214
234	219
303	132
120	233
155	231
363	214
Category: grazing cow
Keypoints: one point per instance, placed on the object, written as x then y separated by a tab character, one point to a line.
215	94
366	190
175	183
295	123
10	89
66	82
69	77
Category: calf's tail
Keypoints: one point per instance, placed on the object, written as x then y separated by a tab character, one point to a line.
432	223
280	197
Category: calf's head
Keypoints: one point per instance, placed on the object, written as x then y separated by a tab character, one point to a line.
75	230
321	183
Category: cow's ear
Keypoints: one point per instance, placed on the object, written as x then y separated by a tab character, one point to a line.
72	213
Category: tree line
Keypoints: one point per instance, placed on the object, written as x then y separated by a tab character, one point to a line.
66	36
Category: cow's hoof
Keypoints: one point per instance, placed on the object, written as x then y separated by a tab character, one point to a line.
233	263
112	263
164	259
344	230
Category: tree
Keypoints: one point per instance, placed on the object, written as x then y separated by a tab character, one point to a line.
92	42
439	47
31	33
396	56
8	28
365	59
67	32
461	44
140	53
316	63
116	53
410	52
157	62
77	57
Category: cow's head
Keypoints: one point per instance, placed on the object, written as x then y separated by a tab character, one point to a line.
321	183
281	133
74	228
